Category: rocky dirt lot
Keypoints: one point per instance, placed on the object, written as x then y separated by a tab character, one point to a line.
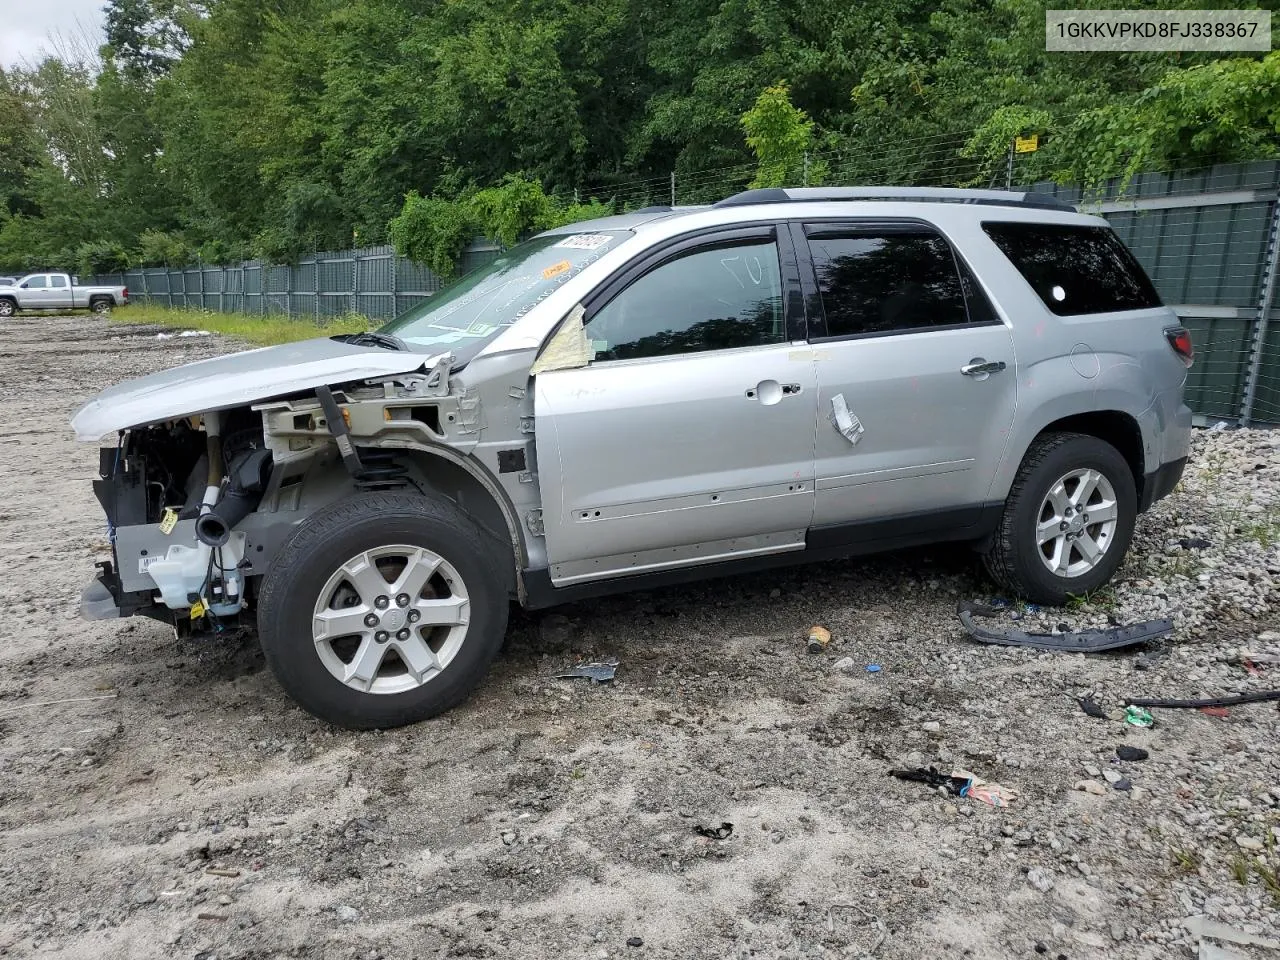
197	813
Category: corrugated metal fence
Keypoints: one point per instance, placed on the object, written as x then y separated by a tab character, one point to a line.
371	280
1208	238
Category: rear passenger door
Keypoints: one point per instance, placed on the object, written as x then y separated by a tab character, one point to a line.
916	377
59	292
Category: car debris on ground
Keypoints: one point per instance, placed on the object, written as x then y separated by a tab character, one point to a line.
1077	641
961	783
819	639
601	672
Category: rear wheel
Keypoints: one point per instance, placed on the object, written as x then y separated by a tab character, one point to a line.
382	610
100	306
1068	519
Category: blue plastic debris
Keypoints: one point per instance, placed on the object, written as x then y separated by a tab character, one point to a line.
873	668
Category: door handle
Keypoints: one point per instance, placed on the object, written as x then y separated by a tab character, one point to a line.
978	367
770	392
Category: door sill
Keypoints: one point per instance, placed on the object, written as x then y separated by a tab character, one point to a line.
666	558
821	544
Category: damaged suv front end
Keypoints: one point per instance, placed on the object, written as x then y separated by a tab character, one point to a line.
218	463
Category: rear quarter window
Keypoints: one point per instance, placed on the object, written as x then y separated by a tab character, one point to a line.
1075	269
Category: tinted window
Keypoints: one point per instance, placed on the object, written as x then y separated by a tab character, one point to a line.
884	281
1075	269
710	299
35	283
57	281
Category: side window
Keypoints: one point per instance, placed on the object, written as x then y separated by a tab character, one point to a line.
888	280
35	283
1075	269
712	298
57	281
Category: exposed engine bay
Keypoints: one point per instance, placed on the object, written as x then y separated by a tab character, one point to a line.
198	507
183	487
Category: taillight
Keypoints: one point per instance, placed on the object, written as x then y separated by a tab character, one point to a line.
125	293
1180	339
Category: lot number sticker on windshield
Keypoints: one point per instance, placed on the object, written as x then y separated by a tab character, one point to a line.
556	269
585	241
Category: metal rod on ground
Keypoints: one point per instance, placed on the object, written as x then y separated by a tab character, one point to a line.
1265	298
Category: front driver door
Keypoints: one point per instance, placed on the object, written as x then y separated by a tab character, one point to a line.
33	292
688	438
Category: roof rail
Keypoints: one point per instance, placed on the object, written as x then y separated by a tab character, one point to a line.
1000	198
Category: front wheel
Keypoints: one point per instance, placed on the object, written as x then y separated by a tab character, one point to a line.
1068	519
382	610
8	308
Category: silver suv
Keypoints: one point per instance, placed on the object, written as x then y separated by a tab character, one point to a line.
784	376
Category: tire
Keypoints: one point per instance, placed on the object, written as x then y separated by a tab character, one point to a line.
1019	562
346	543
8	308
100	307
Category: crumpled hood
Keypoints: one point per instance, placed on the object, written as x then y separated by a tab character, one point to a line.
236	380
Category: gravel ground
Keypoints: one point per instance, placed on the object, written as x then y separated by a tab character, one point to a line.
199	814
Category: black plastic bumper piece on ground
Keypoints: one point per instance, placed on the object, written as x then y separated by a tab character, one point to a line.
1160	483
1076	641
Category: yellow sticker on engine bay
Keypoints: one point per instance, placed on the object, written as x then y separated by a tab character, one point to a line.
168	520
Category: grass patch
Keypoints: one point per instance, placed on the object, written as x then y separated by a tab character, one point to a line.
263	331
1188	861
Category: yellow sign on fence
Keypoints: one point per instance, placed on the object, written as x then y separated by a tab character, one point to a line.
1026	144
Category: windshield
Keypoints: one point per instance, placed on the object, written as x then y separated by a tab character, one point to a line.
470	312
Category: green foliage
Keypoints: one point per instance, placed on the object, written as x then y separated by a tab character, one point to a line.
262	331
101	256
158	248
992	141
435	231
277	128
559	215
781	136
432	231
514	207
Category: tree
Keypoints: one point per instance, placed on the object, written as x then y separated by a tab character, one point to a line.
781	135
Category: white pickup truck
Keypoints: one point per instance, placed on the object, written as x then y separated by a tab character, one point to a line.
55	291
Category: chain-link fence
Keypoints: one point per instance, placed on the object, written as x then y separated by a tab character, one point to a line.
1207	237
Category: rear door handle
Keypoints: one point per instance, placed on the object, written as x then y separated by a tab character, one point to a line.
978	367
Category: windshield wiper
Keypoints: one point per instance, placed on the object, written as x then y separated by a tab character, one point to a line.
371	339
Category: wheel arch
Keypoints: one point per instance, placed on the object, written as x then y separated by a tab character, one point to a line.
445	472
1111	426
1122	429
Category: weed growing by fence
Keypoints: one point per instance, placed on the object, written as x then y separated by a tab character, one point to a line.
262	331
